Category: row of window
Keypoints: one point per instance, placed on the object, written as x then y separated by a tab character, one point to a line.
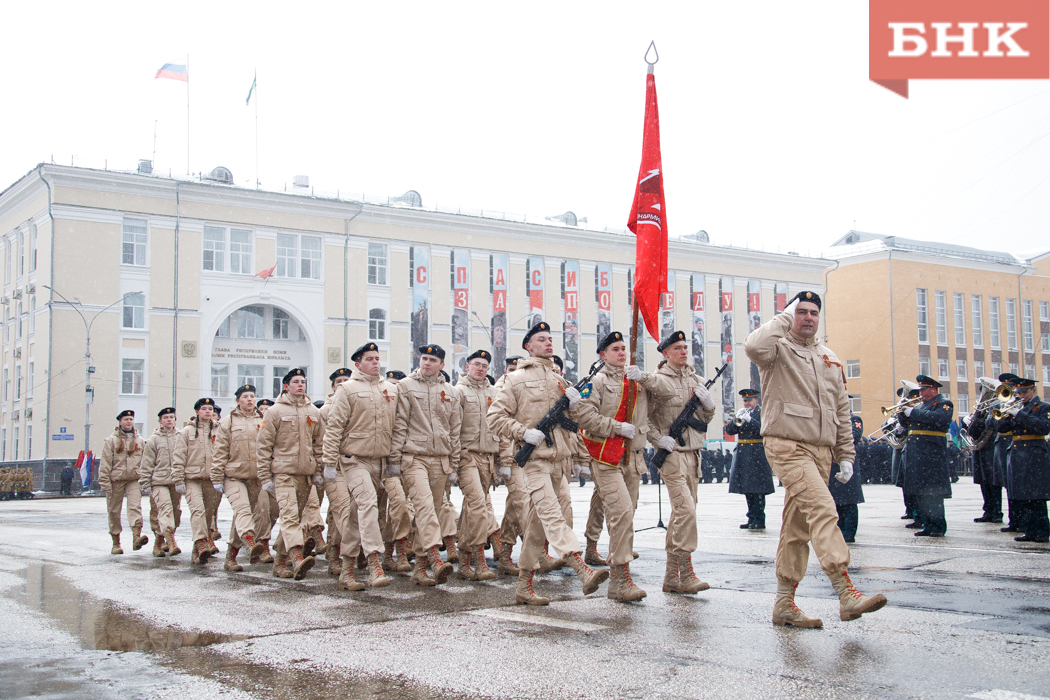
18	320
246	374
18	253
977	320
15	454
19	387
979	366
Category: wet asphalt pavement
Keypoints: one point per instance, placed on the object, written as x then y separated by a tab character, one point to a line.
969	616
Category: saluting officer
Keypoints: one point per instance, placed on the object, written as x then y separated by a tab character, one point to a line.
1028	468
750	474
118	477
926	474
194	472
163	450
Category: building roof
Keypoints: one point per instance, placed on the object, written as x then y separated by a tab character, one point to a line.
862	242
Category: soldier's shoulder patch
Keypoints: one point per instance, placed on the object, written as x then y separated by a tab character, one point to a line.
586	390
946	407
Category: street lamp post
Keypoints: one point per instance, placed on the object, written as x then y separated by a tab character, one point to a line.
89	392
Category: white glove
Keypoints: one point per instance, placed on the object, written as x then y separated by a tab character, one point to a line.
391	470
573	395
585	472
453	479
535	437
666	443
628	430
576	470
330	474
180	488
845	471
317	480
268	487
705	396
146	490
791	308
634	373
1013	410
505	473
908	410
217	487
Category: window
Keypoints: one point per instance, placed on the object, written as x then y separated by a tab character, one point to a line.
978	369
1011	323
310	264
280	325
1044	311
1029	371
134	242
960	370
29	382
302	253
962	405
854	404
1014	368
852	369
18	322
29	442
134	311
976	321
924	334
287	254
214	248
250	322
18	382
1046	374
32	314
1045	342
240	252
32	255
249	374
1027	325
993	320
278	380
942	369
960	319
942	317
924	366
377	263
132	377
224	328
997	369
376	324
220	380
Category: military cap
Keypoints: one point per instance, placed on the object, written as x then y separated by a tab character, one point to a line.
433	350
166	411
319	403
811	297
1023	383
748	393
558	361
670	340
1009	378
125	413
263	402
218	411
444	374
609	340
912	393
360	352
297	372
480	354
541	327
513	360
900	392
395	374
491	380
925	381
203	402
341	372
242	389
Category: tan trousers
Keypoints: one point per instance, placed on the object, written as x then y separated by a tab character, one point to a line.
561	482
680	475
164	501
611	483
243	495
546	518
119	491
199	494
477	521
448	517
632	478
424	478
312	513
516	509
292	491
399	513
212	501
339	504
265	513
809	510
361	529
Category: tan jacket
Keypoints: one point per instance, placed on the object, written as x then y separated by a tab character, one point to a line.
597	410
290	440
528	394
163	449
200	450
675	387
236	446
427	419
121	456
474	401
360	420
506	446
803	388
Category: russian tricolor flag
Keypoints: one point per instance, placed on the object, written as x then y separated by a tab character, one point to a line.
84	464
173	71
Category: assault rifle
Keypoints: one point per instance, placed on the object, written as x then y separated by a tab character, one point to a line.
686	420
555	417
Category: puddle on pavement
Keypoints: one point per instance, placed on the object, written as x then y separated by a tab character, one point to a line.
101	624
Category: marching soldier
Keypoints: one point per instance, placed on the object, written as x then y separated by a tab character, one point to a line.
425	450
336	490
266	509
850	494
118	477
515	510
750	474
234	472
289	463
1028	468
162	451
681	471
926	456
193	472
528	394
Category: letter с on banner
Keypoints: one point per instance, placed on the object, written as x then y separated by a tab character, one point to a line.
957	40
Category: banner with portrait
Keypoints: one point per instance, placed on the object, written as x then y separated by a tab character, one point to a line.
460	312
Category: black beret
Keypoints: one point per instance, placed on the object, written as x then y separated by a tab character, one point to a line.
923	380
125	413
444	374
395	374
748	393
1009	378
319	403
297	372
558	361
360	352
341	372
203	402
483	354
166	411
491	380
434	350
811	297
513	359
242	389
263	402
670	340
218	410
609	340
540	327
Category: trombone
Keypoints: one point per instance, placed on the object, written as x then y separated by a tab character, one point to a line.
1001	394
1007	408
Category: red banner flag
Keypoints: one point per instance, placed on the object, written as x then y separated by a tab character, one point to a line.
648	219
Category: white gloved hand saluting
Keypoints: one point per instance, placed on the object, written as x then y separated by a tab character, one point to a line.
790	310
533	436
634	373
180	488
705	397
845	471
217	487
628	430
268	487
330	474
666	443
573	395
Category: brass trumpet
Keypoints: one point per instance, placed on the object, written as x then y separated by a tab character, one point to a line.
1007	408
740	416
900	406
1003	394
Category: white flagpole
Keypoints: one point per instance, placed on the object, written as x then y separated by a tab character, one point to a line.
187	114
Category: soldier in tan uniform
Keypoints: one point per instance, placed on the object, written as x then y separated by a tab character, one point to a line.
399	516
339	501
266	509
516	507
527	396
289	462
162	451
678	382
358	429
479	449
194	472
234	472
118	477
806	426
425	450
614	429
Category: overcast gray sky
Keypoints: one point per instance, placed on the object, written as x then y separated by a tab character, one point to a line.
772	134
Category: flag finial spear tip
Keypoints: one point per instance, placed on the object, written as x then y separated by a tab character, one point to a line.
656	55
